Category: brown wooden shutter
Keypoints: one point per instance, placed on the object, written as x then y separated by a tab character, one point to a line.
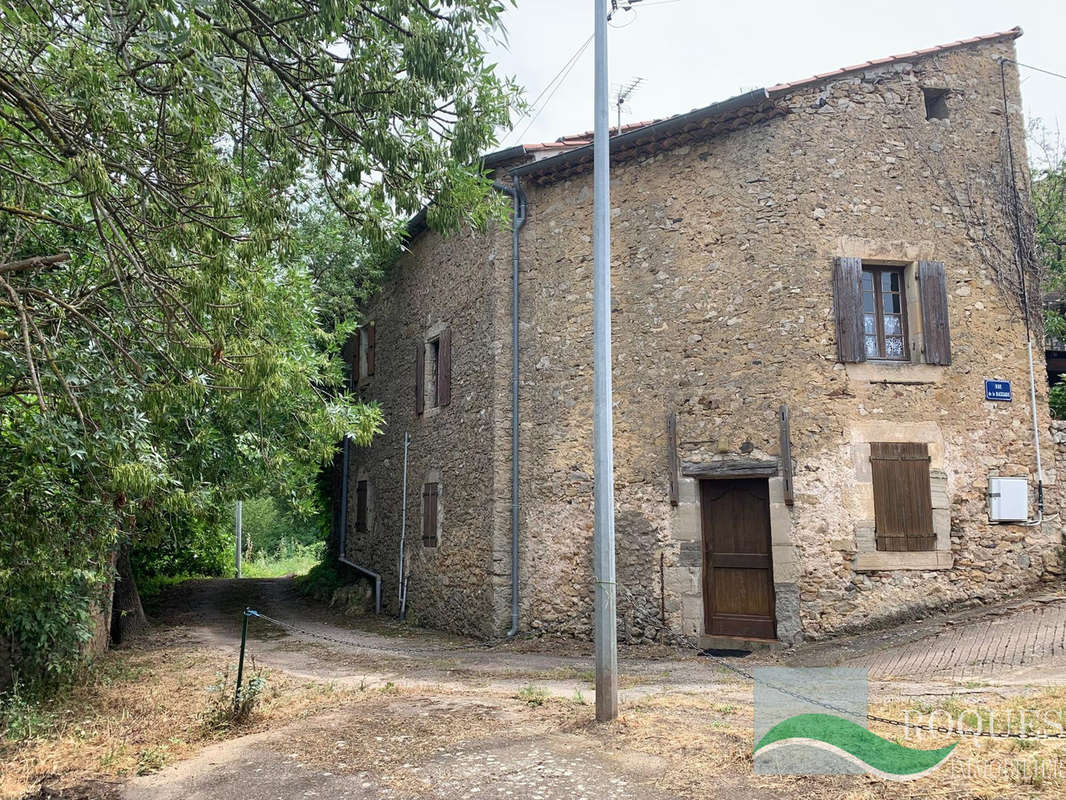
786	456
370	329
673	459
903	505
420	377
444	368
847	295
429	515
932	284
357	345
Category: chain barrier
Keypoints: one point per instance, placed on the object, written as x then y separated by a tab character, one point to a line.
486	646
875	718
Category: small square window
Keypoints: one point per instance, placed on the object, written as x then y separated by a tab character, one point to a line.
936	106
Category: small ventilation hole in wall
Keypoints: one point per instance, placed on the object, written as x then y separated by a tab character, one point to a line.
936	106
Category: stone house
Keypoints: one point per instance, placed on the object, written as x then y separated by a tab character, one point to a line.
806	306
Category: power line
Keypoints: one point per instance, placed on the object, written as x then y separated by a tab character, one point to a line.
558	80
1030	66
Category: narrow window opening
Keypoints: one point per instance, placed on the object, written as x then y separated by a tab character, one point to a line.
429	514
936	106
433	373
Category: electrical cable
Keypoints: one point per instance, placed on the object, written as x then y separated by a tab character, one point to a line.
1020	254
561	80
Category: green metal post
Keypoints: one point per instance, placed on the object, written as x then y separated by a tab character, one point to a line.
240	661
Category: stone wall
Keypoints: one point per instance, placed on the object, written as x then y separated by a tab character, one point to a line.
439	283
722	261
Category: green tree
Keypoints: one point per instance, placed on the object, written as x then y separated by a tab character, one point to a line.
161	344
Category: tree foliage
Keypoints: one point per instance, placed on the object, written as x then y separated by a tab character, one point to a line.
162	348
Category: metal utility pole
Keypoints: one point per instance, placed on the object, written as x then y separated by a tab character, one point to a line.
238	538
603	535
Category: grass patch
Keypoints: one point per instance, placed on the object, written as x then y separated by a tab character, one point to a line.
291	559
532	695
152	703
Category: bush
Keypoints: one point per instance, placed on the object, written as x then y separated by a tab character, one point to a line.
196	542
223	711
271	531
321	581
1057	399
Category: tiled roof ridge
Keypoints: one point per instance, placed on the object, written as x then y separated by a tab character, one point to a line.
585	138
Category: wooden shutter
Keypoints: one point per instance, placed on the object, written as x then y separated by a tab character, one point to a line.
672	457
932	284
903	505
357	346
786	456
369	332
420	377
429	515
360	506
847	295
444	368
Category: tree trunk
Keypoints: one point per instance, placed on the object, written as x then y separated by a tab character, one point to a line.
127	613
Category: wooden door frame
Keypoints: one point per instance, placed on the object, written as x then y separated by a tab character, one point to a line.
706	567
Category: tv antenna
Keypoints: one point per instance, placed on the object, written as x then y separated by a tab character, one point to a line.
625	91
627	5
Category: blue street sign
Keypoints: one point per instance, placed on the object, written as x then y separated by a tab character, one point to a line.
997	390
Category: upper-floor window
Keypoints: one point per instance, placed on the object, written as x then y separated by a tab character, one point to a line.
433	371
884	313
936	103
873	304
361	353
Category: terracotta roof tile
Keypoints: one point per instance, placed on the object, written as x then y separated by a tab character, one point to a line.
1013	33
584	139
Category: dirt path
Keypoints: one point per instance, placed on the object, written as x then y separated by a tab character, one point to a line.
437	716
375	651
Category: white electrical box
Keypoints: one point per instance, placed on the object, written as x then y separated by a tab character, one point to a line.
1008	499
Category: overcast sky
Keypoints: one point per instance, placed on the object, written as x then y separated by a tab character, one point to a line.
694	52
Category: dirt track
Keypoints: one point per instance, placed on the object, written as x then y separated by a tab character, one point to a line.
441	716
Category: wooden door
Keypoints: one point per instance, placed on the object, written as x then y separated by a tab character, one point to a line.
738	584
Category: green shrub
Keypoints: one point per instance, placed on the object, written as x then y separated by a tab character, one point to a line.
320	582
1057	399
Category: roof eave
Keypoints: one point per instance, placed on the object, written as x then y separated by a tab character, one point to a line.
658	130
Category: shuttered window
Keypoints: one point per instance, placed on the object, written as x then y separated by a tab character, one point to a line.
884	314
369	334
361	506
429	514
420	377
433	372
444	367
903	505
871	315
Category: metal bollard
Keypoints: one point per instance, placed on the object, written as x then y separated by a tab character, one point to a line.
240	661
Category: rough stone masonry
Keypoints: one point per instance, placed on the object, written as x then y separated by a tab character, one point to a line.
726	231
